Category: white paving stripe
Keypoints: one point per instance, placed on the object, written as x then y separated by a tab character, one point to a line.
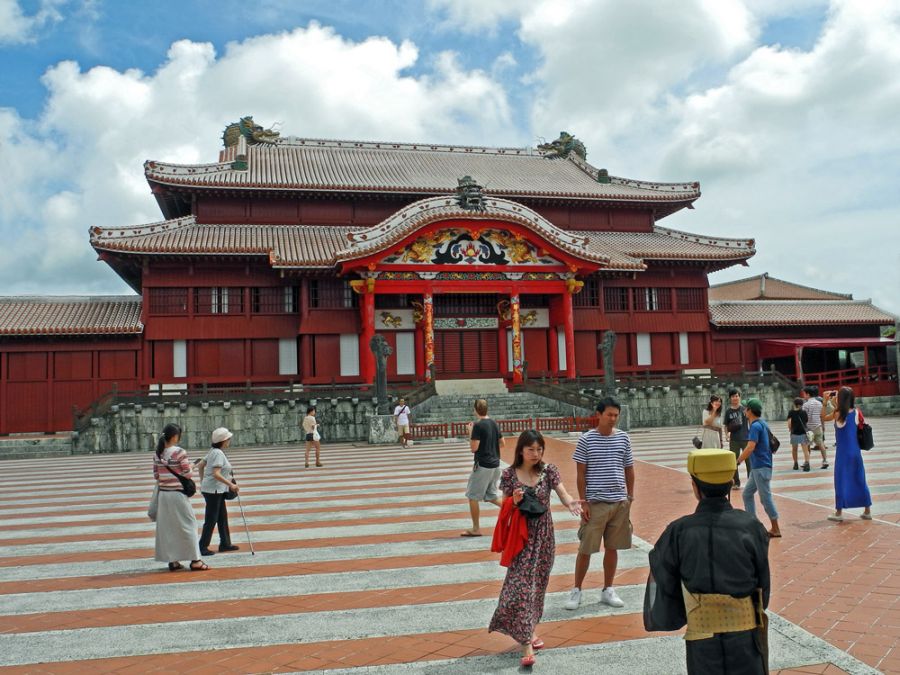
279	557
284	503
143	491
789	647
297	519
267	587
135	508
298	534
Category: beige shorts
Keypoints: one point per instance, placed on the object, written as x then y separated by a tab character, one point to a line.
818	436
610	522
403	429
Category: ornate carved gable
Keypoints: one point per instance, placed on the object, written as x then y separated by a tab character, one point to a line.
466	247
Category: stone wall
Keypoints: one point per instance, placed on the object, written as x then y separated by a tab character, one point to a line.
682	406
136	427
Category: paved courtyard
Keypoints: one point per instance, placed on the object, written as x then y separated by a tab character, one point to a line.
359	566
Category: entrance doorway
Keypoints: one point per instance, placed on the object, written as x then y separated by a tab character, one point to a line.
466	353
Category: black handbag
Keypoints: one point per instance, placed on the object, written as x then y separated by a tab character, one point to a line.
530	506
864	435
188	486
231	494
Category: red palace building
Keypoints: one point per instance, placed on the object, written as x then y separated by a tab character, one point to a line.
278	263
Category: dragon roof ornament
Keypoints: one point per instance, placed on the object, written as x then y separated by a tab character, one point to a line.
250	130
564	146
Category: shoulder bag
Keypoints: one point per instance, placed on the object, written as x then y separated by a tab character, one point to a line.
188	486
531	506
864	433
774	443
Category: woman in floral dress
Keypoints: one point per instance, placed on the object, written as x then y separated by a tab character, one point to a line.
522	596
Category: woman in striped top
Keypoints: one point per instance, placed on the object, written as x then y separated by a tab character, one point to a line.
176	525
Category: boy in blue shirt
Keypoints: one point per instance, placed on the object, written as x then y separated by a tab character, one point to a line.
759	452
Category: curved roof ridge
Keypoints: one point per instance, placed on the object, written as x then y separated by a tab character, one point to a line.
432	209
766	275
803	301
98	233
299	141
594	172
62	299
749	244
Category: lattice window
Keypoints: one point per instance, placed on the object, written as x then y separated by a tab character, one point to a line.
331	294
691	299
652	299
274	300
589	295
392	301
218	300
615	299
163	301
465	304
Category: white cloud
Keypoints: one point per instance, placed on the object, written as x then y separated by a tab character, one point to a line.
83	158
16	27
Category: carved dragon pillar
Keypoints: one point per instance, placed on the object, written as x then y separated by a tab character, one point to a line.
428	327
515	326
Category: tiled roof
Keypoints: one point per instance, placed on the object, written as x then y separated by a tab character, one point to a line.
326	245
322	165
765	287
667	244
283	245
796	313
70	315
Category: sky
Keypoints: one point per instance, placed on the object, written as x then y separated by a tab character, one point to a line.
786	111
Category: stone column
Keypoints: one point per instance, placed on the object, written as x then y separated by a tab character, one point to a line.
428	327
515	326
367	319
569	331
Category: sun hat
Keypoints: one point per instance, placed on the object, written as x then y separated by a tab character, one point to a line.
221	434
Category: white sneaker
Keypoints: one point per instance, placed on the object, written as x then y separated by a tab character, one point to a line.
574	599
608	596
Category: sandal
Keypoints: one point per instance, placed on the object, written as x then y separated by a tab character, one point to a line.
175	566
537	643
198	566
527	661
866	516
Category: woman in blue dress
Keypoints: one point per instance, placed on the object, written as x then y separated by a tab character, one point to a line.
850	488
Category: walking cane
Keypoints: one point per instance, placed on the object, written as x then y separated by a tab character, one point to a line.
249	541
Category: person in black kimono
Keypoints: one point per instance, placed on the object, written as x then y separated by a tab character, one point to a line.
710	570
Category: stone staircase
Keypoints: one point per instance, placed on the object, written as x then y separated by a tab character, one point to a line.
30	447
523	405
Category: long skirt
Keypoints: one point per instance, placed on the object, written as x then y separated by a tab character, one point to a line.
176	528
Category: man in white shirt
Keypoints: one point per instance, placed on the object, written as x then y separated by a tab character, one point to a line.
813	407
401	419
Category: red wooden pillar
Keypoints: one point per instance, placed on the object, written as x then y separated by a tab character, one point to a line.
367	316
4	399
502	355
515	326
569	331
419	337
428	327
553	350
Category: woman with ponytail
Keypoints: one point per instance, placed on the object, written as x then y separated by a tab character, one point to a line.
176	525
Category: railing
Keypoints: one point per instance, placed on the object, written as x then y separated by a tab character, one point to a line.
833	379
437	430
515	426
677	380
459	429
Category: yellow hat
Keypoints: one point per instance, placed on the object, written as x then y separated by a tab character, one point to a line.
713	466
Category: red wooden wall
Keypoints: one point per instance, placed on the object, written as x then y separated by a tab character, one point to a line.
40	380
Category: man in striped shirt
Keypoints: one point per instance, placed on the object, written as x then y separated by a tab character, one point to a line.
606	487
812	404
